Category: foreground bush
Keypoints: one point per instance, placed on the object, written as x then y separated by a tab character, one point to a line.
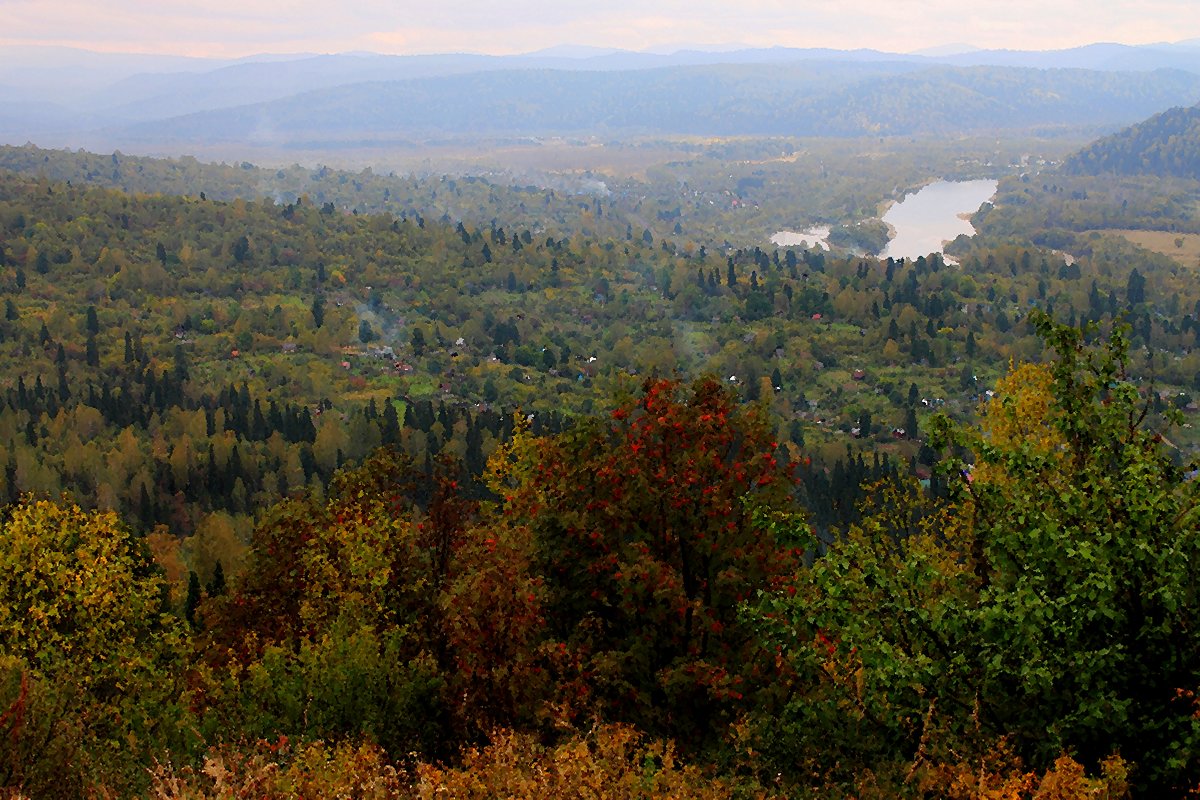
283	770
611	763
1050	601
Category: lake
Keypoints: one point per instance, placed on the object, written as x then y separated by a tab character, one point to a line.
923	222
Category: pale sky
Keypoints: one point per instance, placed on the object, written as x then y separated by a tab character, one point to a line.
233	28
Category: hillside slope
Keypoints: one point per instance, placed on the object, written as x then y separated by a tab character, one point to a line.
1167	144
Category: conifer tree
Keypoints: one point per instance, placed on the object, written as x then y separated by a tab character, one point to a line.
193	598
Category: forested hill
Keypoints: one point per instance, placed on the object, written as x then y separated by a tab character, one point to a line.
733	191
149	339
803	99
1167	144
469	198
630	561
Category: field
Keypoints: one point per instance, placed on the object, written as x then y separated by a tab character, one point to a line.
1182	247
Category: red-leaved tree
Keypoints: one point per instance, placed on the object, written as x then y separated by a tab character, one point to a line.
650	528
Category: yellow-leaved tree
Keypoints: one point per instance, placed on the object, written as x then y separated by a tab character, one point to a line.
1021	413
87	654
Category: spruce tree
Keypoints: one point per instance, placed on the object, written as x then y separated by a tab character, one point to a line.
193	598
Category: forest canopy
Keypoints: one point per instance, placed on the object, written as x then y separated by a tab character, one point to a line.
636	571
308	495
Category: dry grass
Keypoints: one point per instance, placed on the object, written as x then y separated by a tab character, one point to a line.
1182	247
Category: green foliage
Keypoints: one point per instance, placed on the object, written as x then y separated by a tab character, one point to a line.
1051	603
1087	590
343	682
868	236
871	641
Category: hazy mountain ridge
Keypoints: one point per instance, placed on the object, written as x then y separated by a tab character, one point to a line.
1104	56
801	99
114	90
1167	144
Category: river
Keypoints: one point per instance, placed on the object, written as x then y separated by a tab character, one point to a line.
923	222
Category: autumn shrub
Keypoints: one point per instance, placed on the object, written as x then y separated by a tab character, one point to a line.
282	770
39	735
493	618
612	762
1001	777
334	630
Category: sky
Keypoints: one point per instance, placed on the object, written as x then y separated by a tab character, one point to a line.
236	28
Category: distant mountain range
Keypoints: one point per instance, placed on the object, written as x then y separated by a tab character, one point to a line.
810	99
63	97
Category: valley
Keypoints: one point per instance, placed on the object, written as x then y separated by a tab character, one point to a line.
737	424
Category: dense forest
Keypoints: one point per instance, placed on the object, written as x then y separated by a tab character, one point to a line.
706	192
642	598
323	482
1167	144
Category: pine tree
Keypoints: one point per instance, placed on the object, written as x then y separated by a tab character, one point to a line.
216	586
318	311
13	492
390	429
193	598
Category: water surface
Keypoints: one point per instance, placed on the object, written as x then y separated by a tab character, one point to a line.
923	222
